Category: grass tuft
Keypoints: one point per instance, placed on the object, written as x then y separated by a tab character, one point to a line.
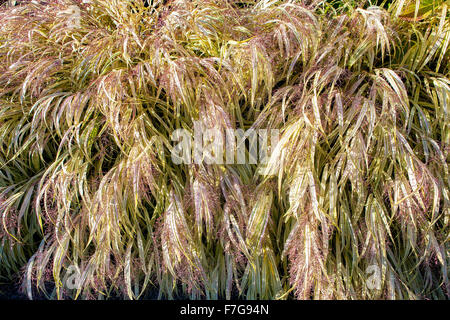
91	91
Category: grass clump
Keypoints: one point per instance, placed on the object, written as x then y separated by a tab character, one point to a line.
91	92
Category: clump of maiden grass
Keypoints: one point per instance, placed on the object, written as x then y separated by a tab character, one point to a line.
91	92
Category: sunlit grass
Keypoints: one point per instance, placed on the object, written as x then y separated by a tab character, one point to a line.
359	91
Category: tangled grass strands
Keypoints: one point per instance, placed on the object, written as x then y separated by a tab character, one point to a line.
91	93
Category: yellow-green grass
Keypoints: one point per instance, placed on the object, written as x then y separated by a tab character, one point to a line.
358	90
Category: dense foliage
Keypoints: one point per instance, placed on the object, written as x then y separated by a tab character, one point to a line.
91	91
